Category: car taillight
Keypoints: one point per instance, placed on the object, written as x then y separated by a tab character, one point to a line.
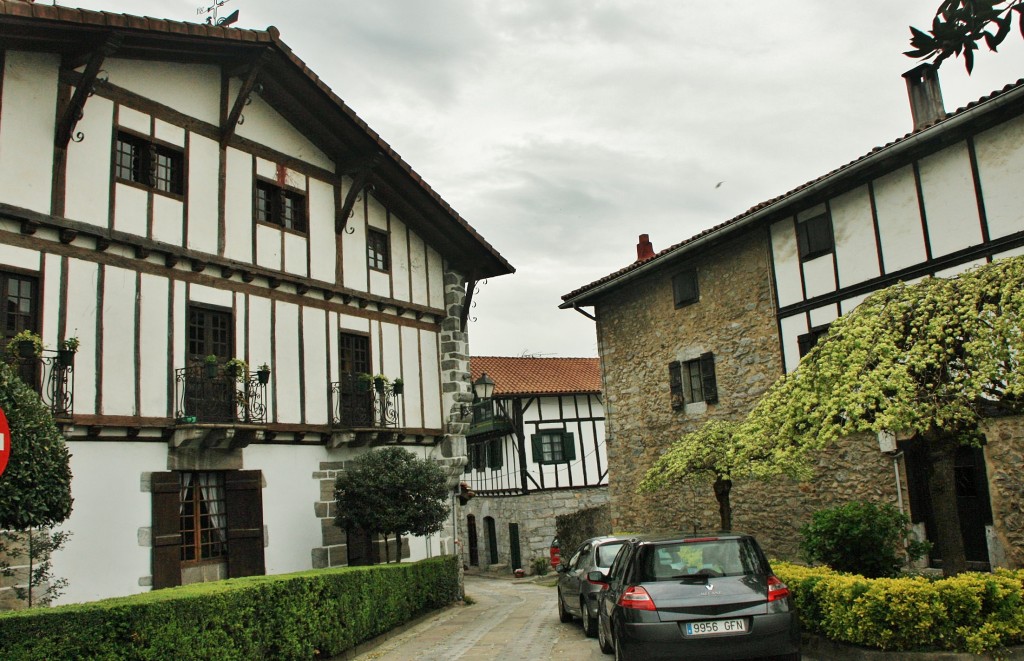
776	589
636	597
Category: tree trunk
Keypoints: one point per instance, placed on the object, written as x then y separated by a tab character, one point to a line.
722	488
942	491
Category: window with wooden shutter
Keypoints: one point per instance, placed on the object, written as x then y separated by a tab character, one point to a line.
814	236
495	460
707	375
553	447
165	489
675	385
243	491
684	288
809	340
696	381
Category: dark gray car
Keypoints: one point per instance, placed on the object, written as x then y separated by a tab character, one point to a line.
577	596
702	597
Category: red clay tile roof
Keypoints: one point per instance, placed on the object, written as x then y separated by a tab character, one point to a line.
59	16
723	228
539	376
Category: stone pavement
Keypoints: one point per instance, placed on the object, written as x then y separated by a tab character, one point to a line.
510	619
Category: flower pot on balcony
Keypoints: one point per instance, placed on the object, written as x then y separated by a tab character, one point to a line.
210	369
378	384
26	349
397	387
66	357
263	376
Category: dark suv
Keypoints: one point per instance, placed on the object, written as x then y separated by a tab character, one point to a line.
710	596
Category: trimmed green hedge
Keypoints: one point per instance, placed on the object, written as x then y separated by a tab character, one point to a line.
966	613
315	614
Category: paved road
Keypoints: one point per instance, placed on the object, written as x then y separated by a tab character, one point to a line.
510	620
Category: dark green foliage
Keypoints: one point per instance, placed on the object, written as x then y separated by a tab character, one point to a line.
575	528
35	490
317	614
861	538
960	25
391	491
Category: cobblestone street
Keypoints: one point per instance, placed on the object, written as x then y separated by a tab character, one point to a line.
513	620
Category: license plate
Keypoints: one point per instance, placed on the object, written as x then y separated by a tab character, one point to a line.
716	627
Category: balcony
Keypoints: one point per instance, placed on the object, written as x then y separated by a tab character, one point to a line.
52	375
489	419
364	410
216	407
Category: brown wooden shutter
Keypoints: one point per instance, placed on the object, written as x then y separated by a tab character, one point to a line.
675	384
166	527
243	493
707	375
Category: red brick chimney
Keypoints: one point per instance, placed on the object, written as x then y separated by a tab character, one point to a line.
644	249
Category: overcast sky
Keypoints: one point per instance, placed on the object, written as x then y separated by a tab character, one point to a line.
563	129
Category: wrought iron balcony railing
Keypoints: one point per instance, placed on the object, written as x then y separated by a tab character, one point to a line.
52	375
488	417
357	403
205	395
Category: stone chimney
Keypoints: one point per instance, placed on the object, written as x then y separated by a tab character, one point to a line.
925	95
644	249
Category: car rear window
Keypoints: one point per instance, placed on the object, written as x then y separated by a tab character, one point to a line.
606	553
719	557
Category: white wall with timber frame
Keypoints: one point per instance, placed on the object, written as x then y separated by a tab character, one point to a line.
939	215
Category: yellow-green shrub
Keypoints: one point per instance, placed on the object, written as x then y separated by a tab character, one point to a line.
967	613
308	615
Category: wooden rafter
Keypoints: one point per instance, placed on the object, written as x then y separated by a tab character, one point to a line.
244	92
359	182
467	303
72	112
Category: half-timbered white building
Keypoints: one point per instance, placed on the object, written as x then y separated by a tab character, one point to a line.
536	450
181	197
739	304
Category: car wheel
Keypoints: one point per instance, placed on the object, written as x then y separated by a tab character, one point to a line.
602	638
589	623
563	615
619	654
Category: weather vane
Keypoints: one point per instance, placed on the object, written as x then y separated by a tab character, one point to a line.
212	9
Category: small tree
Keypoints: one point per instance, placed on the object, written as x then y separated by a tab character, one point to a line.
960	25
390	491
930	360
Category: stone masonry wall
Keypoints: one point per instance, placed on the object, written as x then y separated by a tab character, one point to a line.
535	513
1004	462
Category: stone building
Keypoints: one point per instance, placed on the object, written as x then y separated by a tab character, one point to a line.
701	329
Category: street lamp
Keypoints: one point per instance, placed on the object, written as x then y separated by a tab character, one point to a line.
483	387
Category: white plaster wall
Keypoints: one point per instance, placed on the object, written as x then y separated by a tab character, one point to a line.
154	326
430	360
104	556
399	260
87	188
824	315
179	319
130	118
264	125
241	340
380	283
286	368
169	133
193	89
358	324
268	247
21	258
168	219
238	202
27	121
210	296
259	339
131	206
792	327
203	187
376	214
1010	253
899	220
353	253
118	355
787	263
81	311
435	278
854	231
849	304
295	253
418	270
413	396
950	204
959	268
51	298
322	251
314	336
1000	152
332	345
820	276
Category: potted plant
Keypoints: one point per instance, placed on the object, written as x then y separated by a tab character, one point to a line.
237	369
210	364
380	382
398	386
27	343
263	374
68	349
363	381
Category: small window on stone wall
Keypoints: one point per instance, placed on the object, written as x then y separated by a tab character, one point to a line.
693	381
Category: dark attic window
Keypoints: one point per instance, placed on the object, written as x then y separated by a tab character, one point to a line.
684	288
814	236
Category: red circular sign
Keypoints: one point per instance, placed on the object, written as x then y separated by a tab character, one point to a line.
5	442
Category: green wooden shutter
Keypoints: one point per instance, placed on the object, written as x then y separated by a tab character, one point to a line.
243	494
538	452
568	446
707	375
495	460
166	529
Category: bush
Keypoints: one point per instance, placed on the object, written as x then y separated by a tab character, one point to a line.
966	613
316	614
541	565
861	538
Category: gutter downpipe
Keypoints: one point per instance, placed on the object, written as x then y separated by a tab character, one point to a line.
909	143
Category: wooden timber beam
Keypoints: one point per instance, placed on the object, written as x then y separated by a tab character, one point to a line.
73	111
244	92
467	303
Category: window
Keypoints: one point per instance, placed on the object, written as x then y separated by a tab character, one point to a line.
378	254
814	236
280	206
20	307
808	340
210	331
156	166
194	514
354	353
485	454
693	381
204	533
684	288
553	447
